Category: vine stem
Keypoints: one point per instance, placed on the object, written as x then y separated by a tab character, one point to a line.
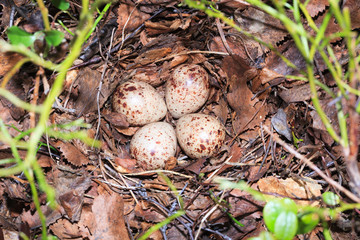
44	12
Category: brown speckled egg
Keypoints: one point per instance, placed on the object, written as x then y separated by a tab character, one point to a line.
153	144
199	135
139	102
187	90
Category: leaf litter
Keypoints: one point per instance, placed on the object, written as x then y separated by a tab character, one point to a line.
103	194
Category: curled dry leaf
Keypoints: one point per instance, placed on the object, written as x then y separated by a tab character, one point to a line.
108	210
117	119
72	154
305	189
249	113
261	24
7	61
129	17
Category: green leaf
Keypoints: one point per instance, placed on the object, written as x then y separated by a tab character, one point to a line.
331	198
61	4
289	205
54	37
18	36
263	236
307	222
286	225
274	208
271	211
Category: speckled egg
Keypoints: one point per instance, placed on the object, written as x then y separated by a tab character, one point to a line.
199	135
187	90
153	145
139	102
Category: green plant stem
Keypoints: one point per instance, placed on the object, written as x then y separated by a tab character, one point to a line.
85	25
98	19
161	224
36	59
317	105
18	102
66	28
44	14
201	6
14	69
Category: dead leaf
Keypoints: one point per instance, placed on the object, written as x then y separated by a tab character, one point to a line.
305	189
70	189
125	165
7	61
318	126
72	154
296	94
87	83
221	110
116	119
280	124
108	210
249	113
148	214
155	28
314	7
151	56
129	17
64	229
127	131
235	44
261	24
149	74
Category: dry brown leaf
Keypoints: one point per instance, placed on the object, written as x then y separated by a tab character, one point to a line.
125	165
127	131
149	74
72	154
108	210
155	28
296	94
64	229
87	84
148	214
221	110
305	189
6	117
318	126
249	113
261	24
131	16
235	44
314	7
333	27
33	220
116	119
7	61
152	55
70	189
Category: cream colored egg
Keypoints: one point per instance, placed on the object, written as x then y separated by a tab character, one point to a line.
139	102
199	135
187	90
153	145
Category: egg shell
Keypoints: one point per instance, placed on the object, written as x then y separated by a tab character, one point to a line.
153	145
187	89
199	135
139	102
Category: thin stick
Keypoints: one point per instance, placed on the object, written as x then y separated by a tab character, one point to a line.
312	166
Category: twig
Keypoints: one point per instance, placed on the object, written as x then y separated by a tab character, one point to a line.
100	85
312	166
